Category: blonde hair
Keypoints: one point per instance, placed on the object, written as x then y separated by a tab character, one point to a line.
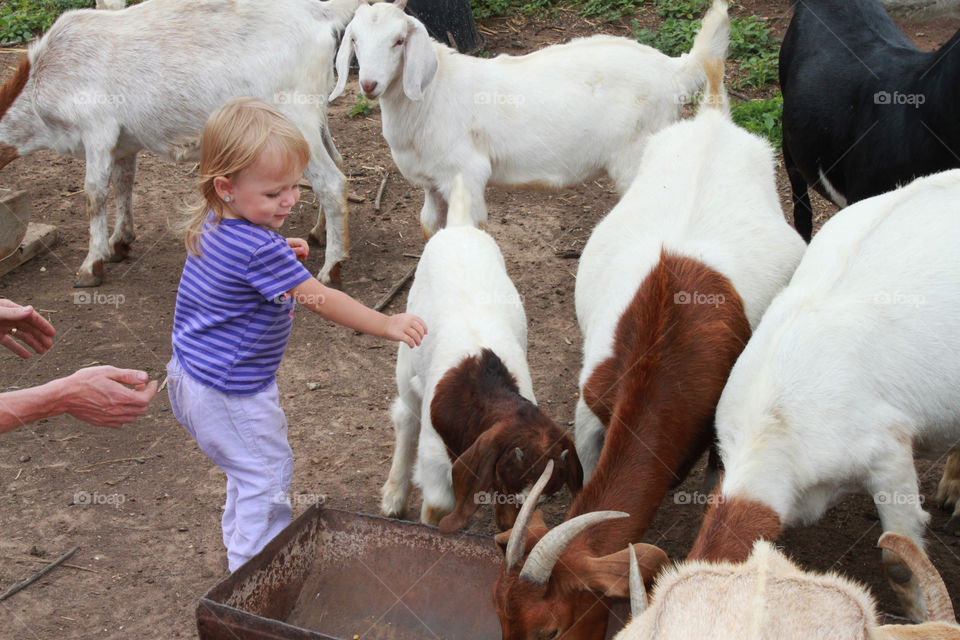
232	140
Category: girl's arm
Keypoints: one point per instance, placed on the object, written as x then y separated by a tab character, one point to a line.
340	308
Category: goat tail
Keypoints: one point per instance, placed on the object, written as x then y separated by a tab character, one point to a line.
710	44
458	211
715	95
340	13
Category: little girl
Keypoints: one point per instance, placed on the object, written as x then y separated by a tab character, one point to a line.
235	310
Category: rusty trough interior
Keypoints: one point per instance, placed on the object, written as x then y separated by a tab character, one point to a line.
336	574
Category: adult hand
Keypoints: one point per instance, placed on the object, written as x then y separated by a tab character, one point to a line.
300	247
406	328
27	326
103	397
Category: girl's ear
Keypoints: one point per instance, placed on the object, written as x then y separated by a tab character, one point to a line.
419	60
223	187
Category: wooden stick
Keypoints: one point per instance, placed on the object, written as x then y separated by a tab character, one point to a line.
383	184
50	567
65	564
385	300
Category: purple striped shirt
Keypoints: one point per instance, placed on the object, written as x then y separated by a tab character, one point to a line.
233	319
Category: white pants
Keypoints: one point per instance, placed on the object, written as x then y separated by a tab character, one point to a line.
246	436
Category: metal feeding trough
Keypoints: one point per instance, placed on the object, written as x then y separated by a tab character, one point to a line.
337	575
340	575
14	217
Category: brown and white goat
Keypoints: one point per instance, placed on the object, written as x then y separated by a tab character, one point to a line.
668	287
850	375
465	395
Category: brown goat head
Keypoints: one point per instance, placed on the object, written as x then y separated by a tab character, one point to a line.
542	592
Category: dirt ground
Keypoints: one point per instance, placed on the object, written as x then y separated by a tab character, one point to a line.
143	503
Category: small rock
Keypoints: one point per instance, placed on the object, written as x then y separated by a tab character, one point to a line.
24	458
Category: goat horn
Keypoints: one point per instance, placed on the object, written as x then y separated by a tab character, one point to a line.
544	556
518	536
939	607
638	594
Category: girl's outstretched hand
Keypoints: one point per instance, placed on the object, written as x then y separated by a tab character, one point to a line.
406	328
300	248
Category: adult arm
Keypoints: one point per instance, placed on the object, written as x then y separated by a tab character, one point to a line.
101	396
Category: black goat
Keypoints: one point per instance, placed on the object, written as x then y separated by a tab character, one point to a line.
863	109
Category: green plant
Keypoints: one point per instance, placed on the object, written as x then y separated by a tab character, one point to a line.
609	9
760	70
21	20
681	9
491	8
362	107
675	36
750	36
763	117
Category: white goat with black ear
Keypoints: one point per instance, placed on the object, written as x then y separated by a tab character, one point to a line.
102	85
549	119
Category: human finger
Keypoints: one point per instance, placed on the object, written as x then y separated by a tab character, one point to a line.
14	346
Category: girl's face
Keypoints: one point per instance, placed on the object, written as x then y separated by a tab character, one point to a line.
263	193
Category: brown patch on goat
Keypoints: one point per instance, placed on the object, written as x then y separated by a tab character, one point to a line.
497	439
657	395
730	528
12	88
8	93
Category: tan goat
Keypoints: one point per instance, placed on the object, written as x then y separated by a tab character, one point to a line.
768	596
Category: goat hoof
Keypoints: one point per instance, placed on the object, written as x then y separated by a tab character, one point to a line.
119	252
334	278
94	278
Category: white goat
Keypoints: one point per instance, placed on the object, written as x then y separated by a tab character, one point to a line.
706	190
112	5
548	119
103	85
467	389
853	368
768	596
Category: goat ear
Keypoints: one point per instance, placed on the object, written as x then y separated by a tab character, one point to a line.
535	532
344	54
400	4
610	575
420	60
472	473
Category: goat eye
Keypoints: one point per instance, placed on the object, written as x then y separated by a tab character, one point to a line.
398	43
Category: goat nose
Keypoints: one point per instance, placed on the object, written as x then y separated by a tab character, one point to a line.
368	86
